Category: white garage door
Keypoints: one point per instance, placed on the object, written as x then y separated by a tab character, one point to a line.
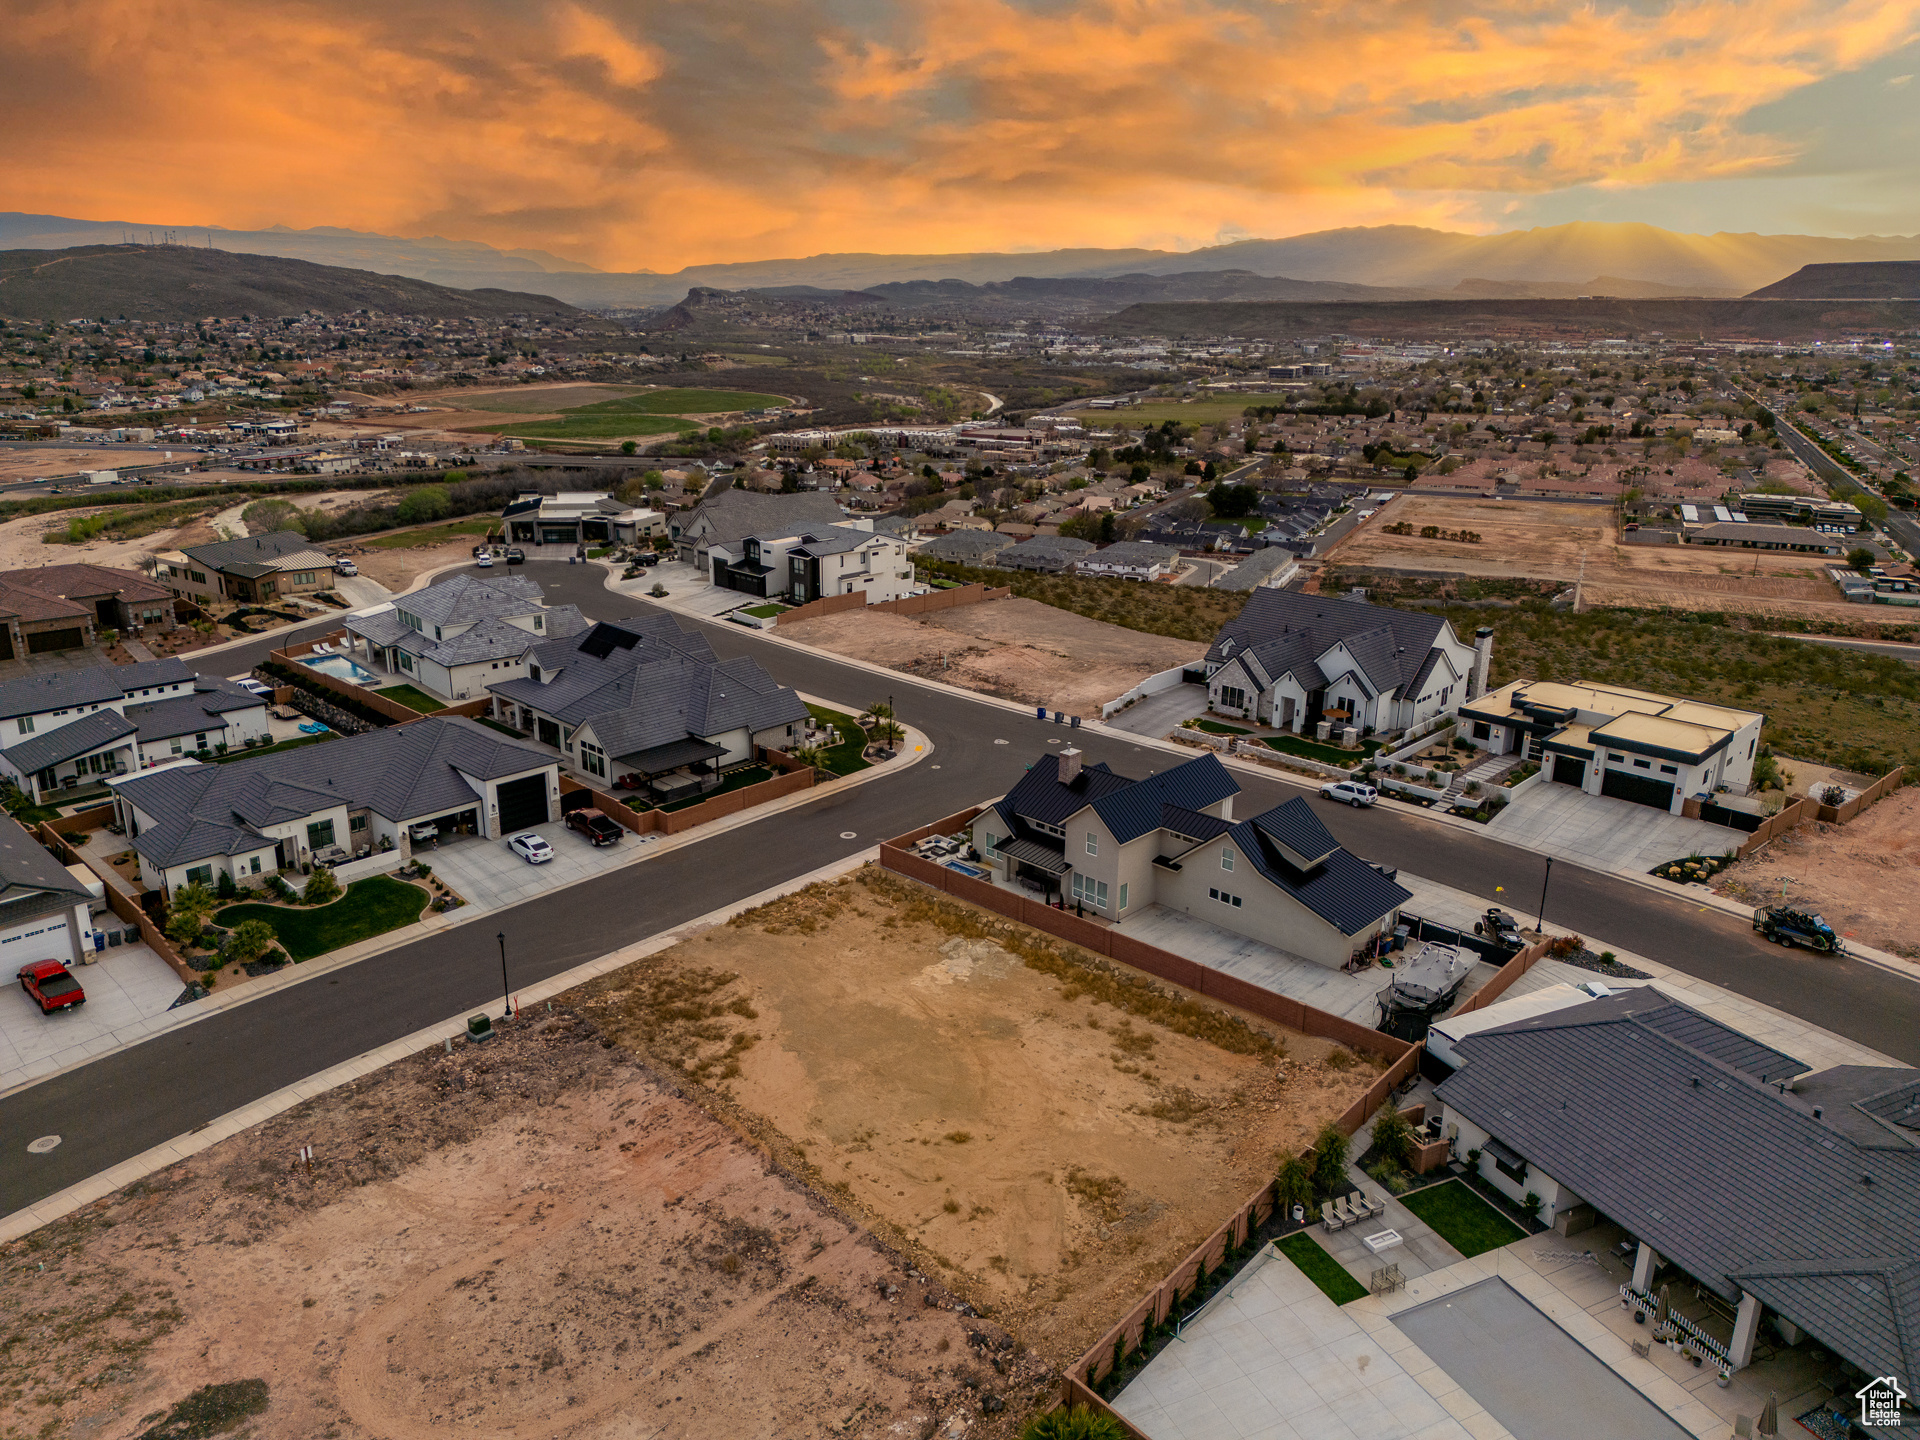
42	939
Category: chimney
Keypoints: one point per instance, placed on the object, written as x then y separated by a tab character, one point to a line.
1482	661
1069	765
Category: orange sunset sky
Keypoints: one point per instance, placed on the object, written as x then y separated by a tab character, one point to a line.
658	133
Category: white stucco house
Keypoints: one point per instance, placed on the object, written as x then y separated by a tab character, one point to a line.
456	638
809	562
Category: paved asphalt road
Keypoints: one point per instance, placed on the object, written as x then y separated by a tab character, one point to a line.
126	1102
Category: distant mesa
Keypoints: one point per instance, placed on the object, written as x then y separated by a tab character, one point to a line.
1861	280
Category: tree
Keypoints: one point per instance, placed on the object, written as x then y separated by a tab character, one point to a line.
323	885
429	502
1860	558
1081	527
249	941
1107	530
627	447
1079	1423
1392	1136
814	755
1231	502
1330	1161
1294	1184
187	916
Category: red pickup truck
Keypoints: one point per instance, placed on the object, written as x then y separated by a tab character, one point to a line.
596	827
51	986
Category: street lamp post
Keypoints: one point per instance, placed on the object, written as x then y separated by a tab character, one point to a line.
1543	895
506	994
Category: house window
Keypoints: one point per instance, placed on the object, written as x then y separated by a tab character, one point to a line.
1123	895
320	834
253	866
1669	769
1617	759
177	744
1642	764
356	822
303	577
1224	898
1088	891
200	741
26	725
1226	859
988	841
200	875
593	759
1233	696
1093	843
1514	1169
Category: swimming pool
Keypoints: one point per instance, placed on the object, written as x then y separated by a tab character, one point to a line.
341	668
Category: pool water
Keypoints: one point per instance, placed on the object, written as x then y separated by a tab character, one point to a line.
341	668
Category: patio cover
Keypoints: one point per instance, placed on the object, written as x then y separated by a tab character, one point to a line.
670	756
1032	852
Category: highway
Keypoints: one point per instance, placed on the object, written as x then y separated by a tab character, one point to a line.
128	1101
1903	526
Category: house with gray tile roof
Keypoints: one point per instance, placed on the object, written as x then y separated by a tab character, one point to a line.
965	547
1130	560
72	729
1793	1196
642	697
1290	660
734	514
43	909
1116	846
252	818
455	638
810	562
1049	554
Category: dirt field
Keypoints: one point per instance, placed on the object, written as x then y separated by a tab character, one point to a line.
534	1238
1046	1133
1537	539
1861	876
398	569
17	466
1016	649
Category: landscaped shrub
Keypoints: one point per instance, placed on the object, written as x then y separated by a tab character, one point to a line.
1393	1137
1293	1185
1562	946
1330	1161
1079	1423
322	886
225	888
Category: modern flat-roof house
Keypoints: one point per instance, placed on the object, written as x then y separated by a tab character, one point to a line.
1792	1196
578	517
43	909
63	607
1130	560
1291	660
456	638
1752	536
642	697
73	729
252	818
1115	846
733	515
810	562
1608	740
253	570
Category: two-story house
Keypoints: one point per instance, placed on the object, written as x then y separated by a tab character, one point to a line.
578	517
455	638
1290	660
1115	846
810	562
253	570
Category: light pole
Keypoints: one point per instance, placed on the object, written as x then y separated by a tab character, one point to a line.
506	1012
1543	895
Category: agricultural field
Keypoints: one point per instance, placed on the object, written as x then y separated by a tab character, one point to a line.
635	416
1045	1133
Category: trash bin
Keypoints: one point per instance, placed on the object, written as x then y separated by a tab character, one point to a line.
1039	712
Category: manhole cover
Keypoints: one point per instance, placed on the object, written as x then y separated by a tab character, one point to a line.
43	1144
1001	742
936	767
1054	741
849	835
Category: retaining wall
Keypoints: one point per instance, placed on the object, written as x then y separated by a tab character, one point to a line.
1152	685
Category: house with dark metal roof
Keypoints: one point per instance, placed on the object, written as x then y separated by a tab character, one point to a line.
455	638
252	570
72	729
642	697
250	819
813	561
1098	840
1792	1196
43	909
1292	660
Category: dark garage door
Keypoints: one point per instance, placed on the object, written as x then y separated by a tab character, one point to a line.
1641	789
1569	771
50	640
523	803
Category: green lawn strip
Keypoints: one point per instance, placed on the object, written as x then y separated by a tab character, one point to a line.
1462	1218
1214	727
506	730
433	534
370	907
599	426
1320	1267
766	612
1330	754
259	750
411	698
846	757
684	402
33	814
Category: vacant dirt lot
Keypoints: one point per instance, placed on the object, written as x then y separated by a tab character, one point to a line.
1016	649
1549	540
1864	877
531	1238
1044	1132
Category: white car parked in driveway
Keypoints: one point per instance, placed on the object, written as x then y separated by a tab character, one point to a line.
531	848
1350	792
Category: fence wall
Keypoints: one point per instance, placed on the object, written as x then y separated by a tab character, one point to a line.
1152	685
906	605
378	703
1789	816
1879	790
118	902
675	822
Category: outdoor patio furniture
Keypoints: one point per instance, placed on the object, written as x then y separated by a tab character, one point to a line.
1333	1215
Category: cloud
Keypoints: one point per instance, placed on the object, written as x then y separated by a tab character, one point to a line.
660	133
1898	80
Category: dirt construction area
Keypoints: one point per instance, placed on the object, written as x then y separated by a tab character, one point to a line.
1548	540
1017	649
1047	1133
534	1237
1864	877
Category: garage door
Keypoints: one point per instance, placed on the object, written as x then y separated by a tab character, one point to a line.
1641	789
523	803
1569	771
44	939
49	640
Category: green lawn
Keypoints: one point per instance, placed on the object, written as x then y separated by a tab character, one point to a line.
477	527
1462	1218
844	758
689	402
507	730
260	750
766	612
591	424
734	780
1320	1267
656	412
370	907
411	698
1214	727
1330	754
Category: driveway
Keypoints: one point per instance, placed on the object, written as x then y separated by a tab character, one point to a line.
489	876
688	591
129	992
1604	833
1157	714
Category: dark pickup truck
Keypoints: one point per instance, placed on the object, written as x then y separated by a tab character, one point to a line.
595	826
1784	925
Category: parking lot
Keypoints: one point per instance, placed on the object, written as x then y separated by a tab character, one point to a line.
489	876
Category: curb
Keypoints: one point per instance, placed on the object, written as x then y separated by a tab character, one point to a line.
30	1218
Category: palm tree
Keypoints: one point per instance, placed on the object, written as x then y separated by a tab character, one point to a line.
877	712
814	755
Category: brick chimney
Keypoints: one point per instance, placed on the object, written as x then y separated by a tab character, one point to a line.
1069	765
1482	661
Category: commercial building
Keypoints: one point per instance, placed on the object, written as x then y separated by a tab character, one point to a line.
1751	536
1608	740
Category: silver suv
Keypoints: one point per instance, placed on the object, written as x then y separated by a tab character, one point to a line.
1350	792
